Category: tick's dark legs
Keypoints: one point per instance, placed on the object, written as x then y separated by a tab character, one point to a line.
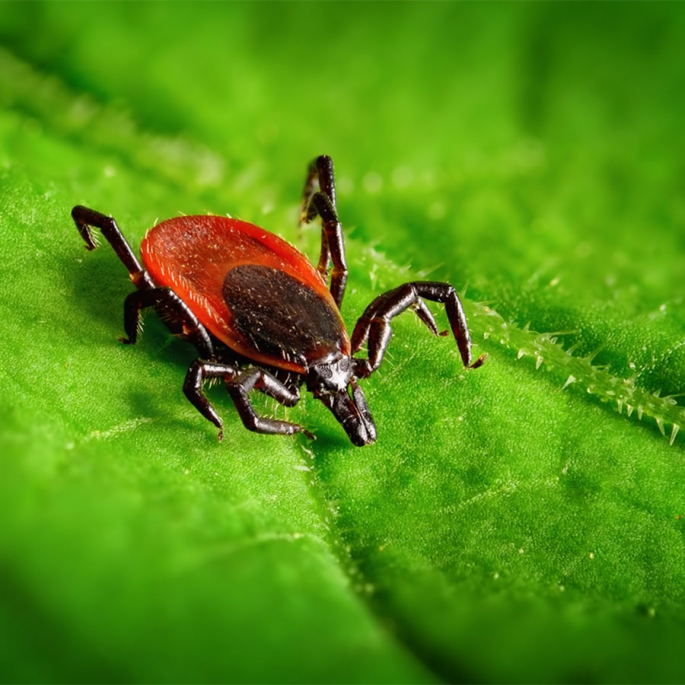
320	176
319	199
239	386
84	218
263	381
198	372
374	324
173	311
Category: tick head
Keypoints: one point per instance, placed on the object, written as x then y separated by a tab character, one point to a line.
329	376
334	384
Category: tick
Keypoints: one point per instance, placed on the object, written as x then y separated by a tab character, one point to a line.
261	316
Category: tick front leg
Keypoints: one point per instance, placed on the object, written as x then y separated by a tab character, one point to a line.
84	218
374	324
174	312
319	199
257	379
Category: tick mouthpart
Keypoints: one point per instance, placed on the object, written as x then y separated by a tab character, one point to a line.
352	412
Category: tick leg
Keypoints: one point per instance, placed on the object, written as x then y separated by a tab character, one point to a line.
84	218
320	176
374	324
173	311
198	372
255	378
319	199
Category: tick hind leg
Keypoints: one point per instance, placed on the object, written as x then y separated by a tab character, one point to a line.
319	200
239	384
374	324
173	311
84	218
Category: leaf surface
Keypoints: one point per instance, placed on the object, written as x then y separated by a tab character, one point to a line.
510	523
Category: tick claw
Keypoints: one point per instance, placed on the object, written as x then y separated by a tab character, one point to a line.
308	434
479	361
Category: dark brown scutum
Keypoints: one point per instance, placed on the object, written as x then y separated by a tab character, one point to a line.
280	316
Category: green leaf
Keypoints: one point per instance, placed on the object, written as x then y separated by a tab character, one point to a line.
518	522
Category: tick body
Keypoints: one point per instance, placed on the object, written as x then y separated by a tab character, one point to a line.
261	316
251	290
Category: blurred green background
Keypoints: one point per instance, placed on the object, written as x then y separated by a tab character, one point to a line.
502	528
